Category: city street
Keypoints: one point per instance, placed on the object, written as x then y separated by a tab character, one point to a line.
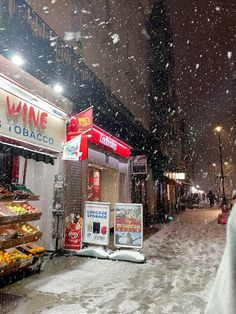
181	263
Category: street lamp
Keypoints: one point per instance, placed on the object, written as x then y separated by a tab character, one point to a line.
222	177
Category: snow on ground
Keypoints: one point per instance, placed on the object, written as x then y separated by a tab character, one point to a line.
181	264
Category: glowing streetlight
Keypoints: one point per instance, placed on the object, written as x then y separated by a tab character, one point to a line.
218	128
214	165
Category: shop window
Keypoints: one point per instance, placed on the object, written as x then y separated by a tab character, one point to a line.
94	185
15	169
9	168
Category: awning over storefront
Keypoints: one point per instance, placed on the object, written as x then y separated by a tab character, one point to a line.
109	142
103	139
26	153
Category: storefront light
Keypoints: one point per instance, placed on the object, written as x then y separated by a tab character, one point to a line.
16	59
58	88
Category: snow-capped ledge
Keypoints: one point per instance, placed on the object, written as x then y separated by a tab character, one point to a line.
127	255
94	251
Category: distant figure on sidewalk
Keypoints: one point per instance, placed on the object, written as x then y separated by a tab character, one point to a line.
222	299
212	198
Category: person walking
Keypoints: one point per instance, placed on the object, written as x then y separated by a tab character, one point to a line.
222	298
212	198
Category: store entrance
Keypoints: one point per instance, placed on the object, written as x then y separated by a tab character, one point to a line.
102	184
139	191
94	185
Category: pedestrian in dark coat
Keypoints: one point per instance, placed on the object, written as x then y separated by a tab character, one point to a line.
211	197
223	296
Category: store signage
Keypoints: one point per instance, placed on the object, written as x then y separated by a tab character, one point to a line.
26	118
139	164
73	236
96	229
180	176
175	175
128	225
108	142
85	120
81	122
29	115
76	149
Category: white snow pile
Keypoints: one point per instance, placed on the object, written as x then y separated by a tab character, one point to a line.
94	251
127	255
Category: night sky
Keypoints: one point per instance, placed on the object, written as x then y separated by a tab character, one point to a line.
204	37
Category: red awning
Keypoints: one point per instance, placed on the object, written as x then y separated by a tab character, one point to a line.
105	140
109	142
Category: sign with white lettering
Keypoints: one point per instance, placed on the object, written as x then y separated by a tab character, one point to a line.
96	223
108	142
26	118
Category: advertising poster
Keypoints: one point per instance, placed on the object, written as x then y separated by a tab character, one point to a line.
85	120
75	149
96	223
94	185
73	234
128	231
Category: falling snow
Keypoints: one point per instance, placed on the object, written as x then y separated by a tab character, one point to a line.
115	38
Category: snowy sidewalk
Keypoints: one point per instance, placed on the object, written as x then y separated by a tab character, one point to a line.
182	260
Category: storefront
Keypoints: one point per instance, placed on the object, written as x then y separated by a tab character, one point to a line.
108	169
32	132
173	192
105	176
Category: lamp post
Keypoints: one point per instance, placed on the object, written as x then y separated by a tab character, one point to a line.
222	177
214	172
217	184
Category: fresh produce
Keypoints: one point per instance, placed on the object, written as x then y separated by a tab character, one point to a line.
30	209
27	228
18	209
25	208
12	256
21	188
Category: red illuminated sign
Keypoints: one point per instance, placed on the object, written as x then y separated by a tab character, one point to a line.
28	114
108	142
95	135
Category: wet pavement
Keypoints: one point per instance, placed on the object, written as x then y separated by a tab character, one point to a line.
182	259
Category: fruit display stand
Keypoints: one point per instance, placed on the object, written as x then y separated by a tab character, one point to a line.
16	250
